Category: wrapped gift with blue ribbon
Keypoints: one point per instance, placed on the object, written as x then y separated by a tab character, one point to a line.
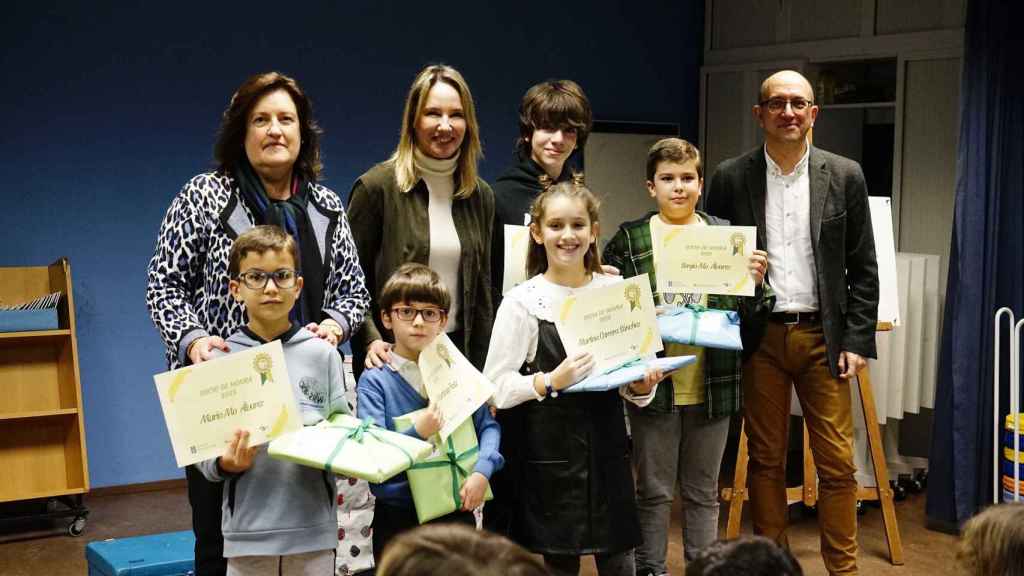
698	325
630	372
351	447
435	481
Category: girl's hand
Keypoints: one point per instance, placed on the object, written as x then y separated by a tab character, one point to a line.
429	421
610	270
473	491
651	377
202	348
572	370
238	456
377	354
758	266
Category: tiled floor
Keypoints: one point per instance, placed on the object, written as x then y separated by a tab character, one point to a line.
41	549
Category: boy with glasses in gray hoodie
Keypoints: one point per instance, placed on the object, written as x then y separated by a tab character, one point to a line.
278	517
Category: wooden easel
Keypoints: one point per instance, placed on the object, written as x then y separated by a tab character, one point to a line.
808	493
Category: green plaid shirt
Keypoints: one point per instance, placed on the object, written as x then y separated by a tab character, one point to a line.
631	252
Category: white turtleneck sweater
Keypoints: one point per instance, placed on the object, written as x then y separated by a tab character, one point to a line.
445	247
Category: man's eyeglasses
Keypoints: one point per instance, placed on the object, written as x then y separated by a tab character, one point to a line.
429	315
777	105
257	279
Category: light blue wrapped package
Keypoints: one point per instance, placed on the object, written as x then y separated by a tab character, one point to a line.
696	325
631	372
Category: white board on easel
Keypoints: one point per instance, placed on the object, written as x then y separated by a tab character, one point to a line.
885	253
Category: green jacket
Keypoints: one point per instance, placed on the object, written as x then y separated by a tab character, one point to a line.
391	228
630	251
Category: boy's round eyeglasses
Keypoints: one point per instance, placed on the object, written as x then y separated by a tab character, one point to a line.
776	105
429	315
257	279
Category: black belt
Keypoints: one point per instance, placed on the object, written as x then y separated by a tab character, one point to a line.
795	317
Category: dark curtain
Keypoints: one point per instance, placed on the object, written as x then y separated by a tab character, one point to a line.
986	260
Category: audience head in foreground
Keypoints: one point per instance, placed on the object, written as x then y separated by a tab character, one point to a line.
993	542
747	556
456	550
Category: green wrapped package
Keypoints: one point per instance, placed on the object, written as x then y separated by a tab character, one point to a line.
435	481
354	448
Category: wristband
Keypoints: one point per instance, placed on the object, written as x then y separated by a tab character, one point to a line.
548	389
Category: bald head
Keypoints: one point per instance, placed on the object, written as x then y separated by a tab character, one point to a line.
786	78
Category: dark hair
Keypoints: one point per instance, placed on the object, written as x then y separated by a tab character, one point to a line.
993	541
745	556
261	239
456	550
414	282
672	150
536	256
230	147
554	104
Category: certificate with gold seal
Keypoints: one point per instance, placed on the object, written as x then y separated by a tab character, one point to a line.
452	383
704	259
204	404
616	323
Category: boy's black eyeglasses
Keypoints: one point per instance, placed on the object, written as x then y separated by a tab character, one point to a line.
429	315
776	105
257	279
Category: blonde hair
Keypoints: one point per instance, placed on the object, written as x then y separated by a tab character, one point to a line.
537	257
406	175
456	550
993	542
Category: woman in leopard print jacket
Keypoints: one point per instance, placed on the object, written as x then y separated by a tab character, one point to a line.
268	159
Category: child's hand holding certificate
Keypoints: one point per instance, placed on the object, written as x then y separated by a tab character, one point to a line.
704	259
616	324
204	404
452	383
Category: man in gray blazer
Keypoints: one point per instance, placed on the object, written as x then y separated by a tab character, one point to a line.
811	212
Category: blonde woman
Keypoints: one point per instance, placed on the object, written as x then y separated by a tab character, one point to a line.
426	204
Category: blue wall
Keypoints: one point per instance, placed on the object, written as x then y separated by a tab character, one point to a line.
108	109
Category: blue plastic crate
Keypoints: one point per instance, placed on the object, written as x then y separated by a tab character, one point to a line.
170	554
28	320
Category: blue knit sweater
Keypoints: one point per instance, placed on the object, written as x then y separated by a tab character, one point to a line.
384	394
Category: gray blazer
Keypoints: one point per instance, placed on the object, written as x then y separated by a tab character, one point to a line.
841	238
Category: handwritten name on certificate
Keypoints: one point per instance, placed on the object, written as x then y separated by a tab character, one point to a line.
204	404
704	259
616	323
452	383
517	242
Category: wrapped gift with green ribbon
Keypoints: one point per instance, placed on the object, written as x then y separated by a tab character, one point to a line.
352	447
435	481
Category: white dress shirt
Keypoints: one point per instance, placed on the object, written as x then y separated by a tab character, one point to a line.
787	215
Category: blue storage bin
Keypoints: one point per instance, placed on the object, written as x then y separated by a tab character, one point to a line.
170	554
28	320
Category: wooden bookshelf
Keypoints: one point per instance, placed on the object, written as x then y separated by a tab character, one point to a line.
42	432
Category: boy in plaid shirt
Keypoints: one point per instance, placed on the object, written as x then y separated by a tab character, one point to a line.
681	434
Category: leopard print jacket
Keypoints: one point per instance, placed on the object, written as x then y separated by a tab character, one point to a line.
187	279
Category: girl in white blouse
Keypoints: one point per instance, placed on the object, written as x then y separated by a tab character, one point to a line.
566	454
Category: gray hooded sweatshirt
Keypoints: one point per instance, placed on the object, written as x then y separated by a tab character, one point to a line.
277	507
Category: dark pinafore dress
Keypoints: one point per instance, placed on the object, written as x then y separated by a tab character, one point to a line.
568	459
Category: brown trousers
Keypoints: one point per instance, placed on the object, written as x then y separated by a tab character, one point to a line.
795	355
